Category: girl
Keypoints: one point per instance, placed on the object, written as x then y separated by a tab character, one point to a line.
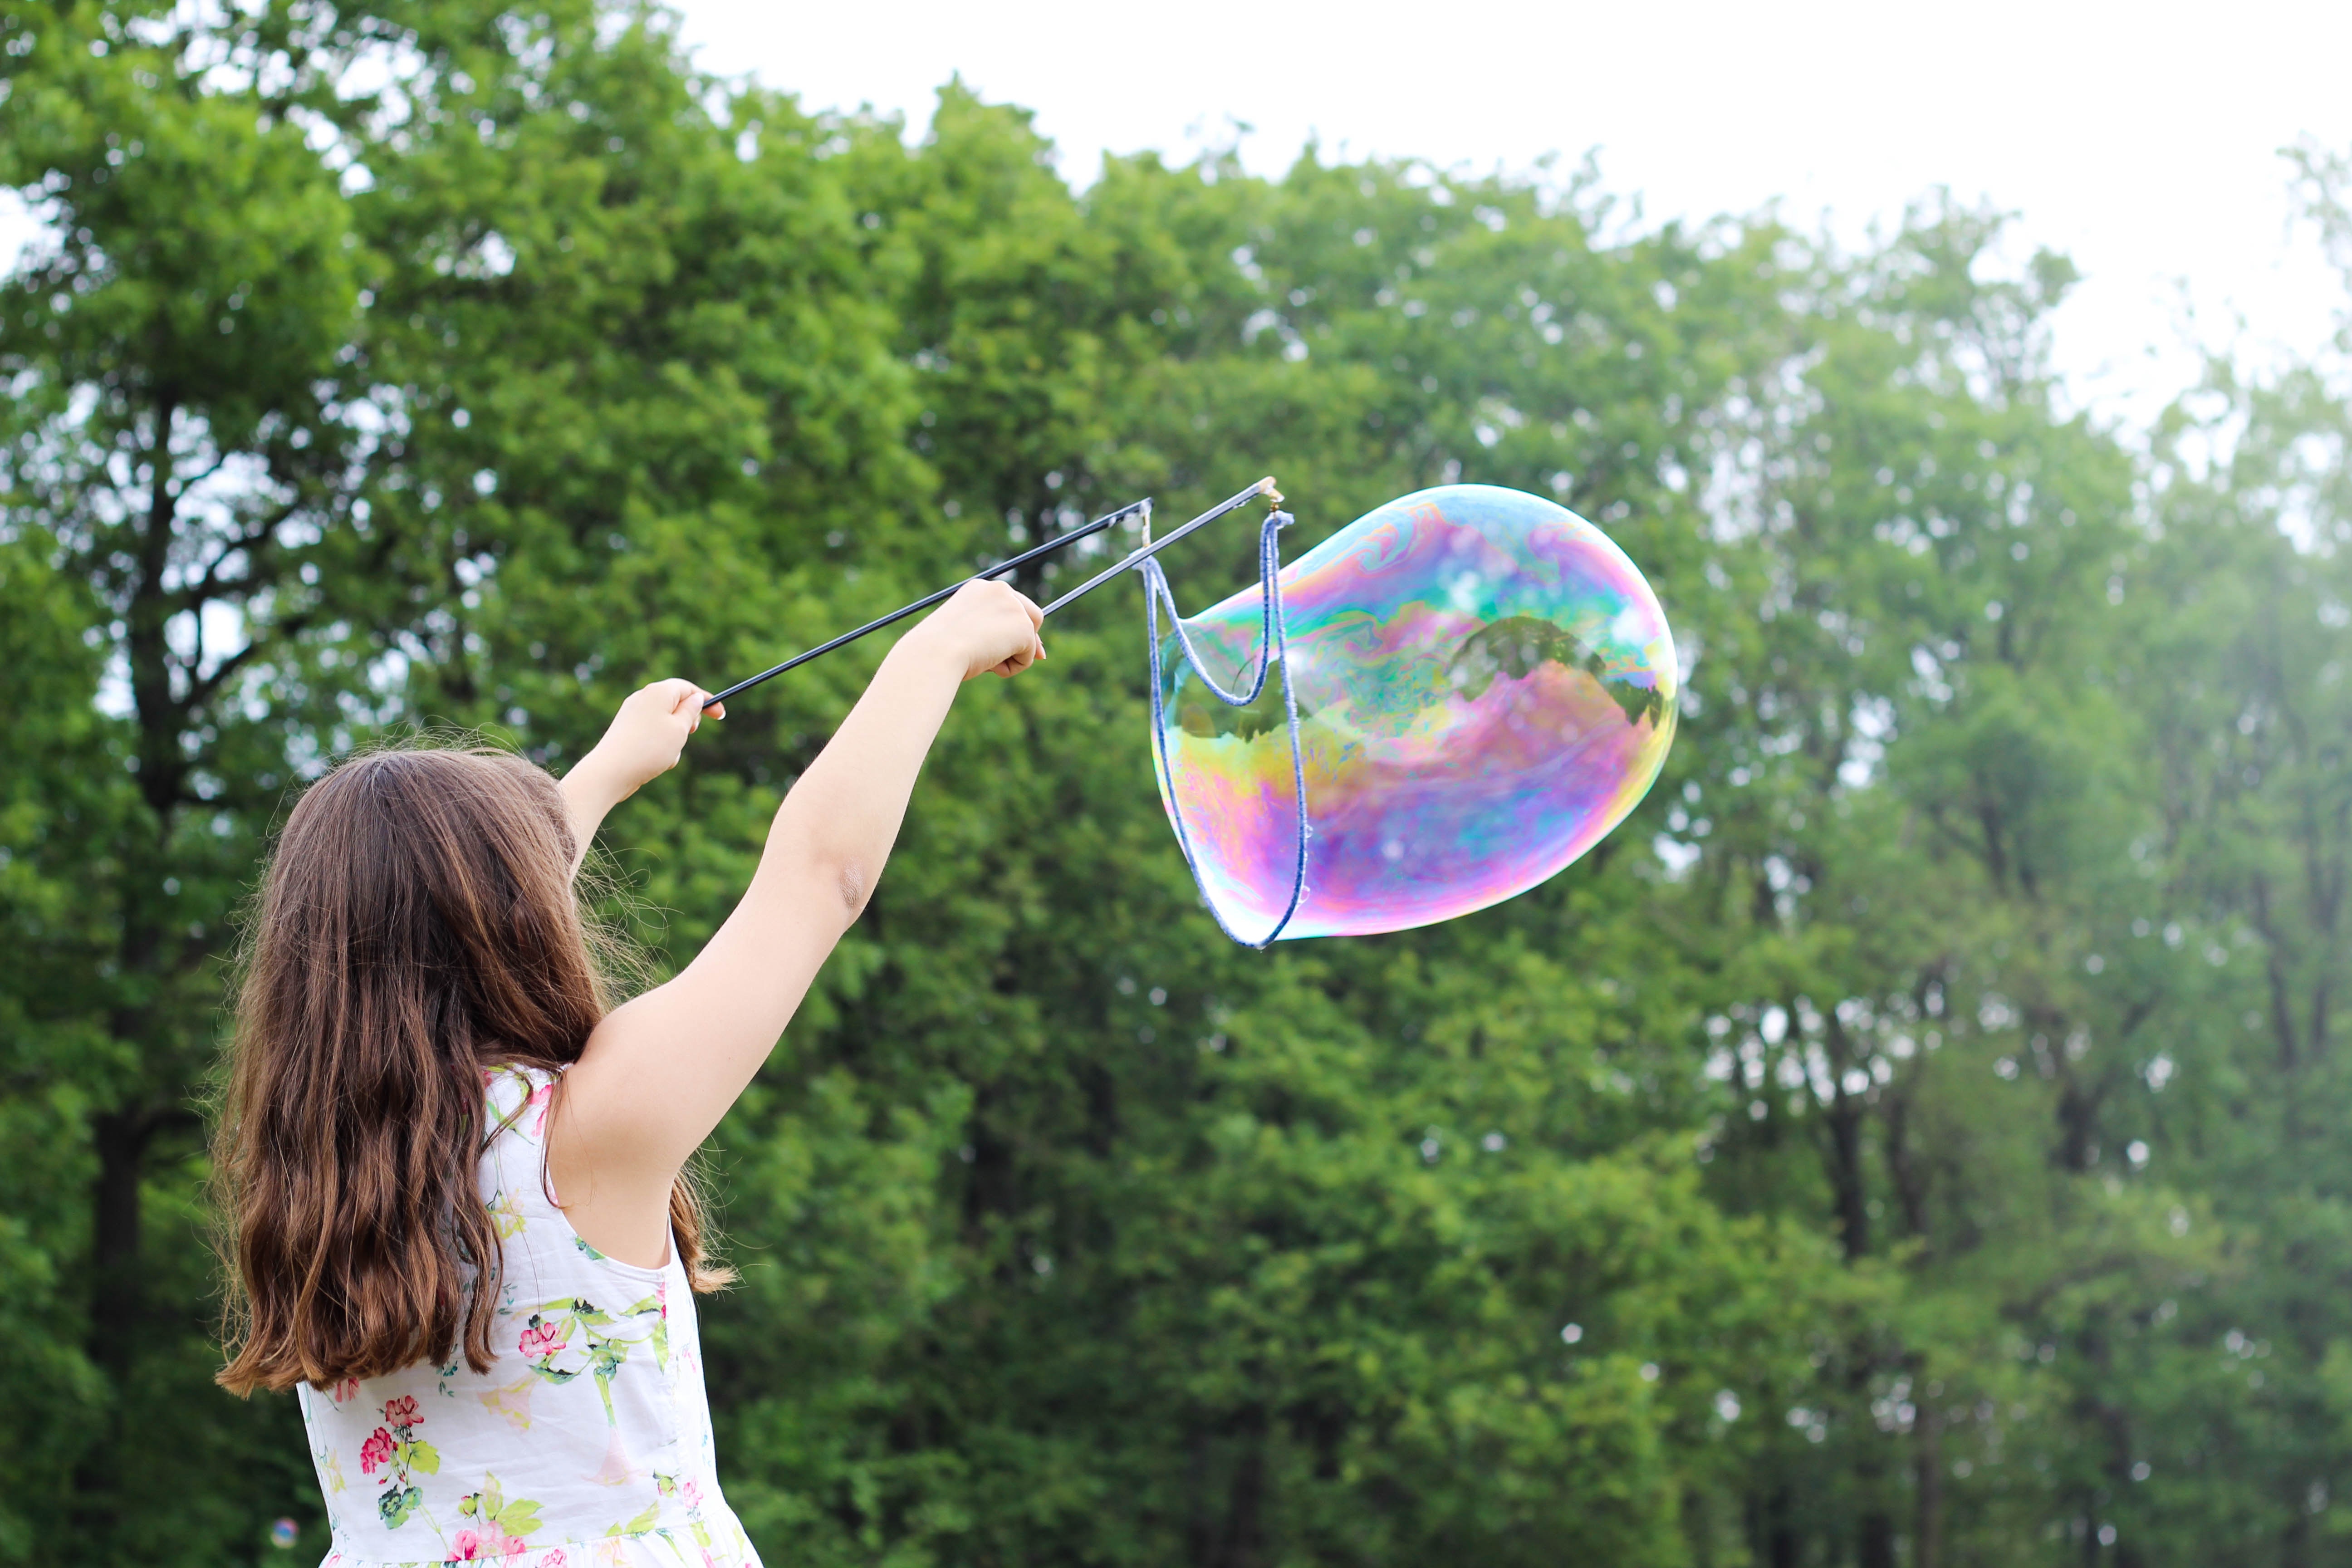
461	1227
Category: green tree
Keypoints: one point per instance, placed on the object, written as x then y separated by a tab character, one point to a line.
240	425
173	458
1909	1139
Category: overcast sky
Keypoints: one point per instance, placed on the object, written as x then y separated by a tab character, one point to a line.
2141	139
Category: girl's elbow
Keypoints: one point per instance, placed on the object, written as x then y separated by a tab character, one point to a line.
817	875
854	887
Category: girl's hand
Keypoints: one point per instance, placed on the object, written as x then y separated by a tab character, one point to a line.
648	735
644	742
986	627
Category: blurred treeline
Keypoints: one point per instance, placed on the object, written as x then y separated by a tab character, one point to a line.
1917	1137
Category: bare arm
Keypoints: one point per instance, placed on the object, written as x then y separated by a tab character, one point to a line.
647	738
659	1072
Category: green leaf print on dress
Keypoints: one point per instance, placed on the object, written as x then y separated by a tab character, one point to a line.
566	1337
512	1473
397	1450
687	1491
499	1525
505	1215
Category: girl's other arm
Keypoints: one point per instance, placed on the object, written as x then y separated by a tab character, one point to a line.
658	1073
647	738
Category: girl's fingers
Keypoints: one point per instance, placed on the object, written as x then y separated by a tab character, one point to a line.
687	697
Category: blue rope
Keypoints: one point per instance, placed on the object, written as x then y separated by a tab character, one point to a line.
1273	644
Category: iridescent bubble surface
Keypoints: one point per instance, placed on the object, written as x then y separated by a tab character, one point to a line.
1485	687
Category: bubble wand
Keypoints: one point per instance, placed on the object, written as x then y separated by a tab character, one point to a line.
1142	509
1477	685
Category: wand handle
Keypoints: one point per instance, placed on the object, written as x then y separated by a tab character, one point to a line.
927	600
1265	487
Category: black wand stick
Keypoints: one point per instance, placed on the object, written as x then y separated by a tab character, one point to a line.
1143	507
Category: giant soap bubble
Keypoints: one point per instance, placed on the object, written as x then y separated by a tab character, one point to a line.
1485	685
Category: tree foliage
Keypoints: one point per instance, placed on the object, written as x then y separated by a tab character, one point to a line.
1909	1139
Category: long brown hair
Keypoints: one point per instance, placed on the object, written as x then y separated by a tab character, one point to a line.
416	929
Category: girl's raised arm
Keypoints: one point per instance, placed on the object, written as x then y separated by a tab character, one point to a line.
660	1071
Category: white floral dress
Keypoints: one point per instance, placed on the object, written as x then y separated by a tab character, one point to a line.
586	1444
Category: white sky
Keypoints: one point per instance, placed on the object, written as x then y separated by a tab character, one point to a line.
2142	139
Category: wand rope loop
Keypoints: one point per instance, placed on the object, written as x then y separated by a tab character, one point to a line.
1273	648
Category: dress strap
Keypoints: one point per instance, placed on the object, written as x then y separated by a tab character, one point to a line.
518	1100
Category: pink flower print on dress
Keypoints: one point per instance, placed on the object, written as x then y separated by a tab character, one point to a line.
540	1098
512	1402
467	1547
618	1469
576	1340
539	1342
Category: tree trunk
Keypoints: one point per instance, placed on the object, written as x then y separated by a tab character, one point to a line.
117	1308
1875	1540
1783	1547
1927	1501
1241	1544
120	1138
2295	1542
